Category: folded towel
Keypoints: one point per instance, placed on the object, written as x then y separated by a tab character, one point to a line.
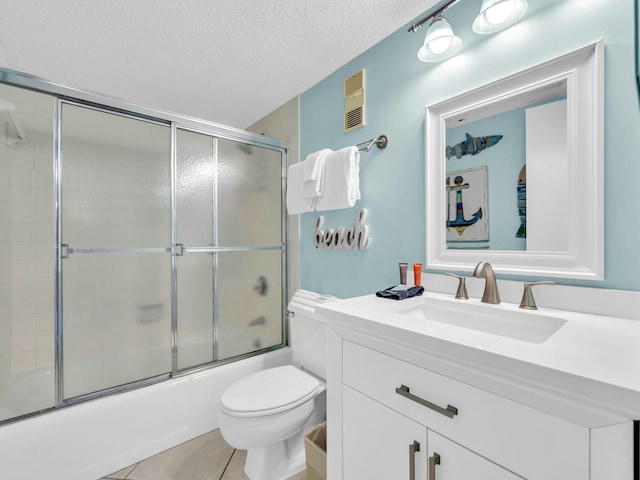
297	202
342	180
313	173
400	292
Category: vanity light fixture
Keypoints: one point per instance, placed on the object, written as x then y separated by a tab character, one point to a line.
496	15
440	42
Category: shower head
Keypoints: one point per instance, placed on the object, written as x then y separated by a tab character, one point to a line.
6	106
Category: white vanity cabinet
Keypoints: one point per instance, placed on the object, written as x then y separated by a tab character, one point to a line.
381	442
385	444
388	404
413	398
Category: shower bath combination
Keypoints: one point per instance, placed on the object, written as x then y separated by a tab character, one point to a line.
140	248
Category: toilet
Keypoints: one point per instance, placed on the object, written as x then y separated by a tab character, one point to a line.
267	412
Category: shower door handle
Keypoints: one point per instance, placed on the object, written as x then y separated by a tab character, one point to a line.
65	251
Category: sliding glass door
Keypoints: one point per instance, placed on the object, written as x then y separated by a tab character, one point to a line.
171	250
230	234
115	231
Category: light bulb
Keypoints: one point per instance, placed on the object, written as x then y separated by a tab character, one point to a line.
500	12
496	15
440	44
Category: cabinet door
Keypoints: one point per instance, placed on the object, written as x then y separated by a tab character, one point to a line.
378	443
450	461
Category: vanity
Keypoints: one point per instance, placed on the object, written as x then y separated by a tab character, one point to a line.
437	388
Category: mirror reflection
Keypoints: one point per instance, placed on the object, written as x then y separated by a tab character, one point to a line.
506	173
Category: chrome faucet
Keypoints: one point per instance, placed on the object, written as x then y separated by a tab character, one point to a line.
485	270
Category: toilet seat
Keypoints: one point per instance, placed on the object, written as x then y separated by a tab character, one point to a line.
269	391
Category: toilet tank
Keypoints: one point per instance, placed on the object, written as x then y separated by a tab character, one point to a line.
308	332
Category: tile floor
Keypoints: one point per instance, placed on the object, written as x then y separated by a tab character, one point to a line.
207	457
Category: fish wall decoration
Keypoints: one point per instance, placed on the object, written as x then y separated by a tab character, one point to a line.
472	145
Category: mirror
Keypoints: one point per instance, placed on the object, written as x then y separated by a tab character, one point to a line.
514	172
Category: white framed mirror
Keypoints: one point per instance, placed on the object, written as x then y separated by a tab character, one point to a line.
521	157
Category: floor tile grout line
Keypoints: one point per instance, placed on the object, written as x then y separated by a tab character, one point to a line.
132	470
227	465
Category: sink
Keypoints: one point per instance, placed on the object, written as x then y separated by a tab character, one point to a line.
505	320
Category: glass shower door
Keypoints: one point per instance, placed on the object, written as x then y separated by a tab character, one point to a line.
115	235
250	260
229	224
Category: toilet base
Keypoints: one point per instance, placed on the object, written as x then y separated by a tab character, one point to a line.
277	461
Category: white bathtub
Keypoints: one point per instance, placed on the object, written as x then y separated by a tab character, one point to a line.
98	437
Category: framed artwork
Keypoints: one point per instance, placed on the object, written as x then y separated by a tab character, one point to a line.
467	215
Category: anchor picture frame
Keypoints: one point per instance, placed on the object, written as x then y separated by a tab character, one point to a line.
467	206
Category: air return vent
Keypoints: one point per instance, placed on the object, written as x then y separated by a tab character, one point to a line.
354	101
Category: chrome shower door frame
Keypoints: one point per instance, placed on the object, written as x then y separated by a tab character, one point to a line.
63	94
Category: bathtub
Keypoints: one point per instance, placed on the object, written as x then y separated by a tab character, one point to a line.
92	439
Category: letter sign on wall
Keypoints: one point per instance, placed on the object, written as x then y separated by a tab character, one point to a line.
352	238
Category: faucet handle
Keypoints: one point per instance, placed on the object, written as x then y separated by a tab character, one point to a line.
461	293
528	302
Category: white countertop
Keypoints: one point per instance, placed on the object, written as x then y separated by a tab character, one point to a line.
593	360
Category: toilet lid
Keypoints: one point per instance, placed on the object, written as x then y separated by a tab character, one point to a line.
269	391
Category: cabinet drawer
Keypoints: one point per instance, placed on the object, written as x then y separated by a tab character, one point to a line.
526	441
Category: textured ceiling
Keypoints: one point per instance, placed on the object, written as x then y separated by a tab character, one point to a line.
228	61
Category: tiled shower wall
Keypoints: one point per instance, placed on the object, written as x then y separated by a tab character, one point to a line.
26	216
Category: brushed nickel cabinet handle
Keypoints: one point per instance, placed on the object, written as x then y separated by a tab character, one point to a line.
413	448
433	461
448	412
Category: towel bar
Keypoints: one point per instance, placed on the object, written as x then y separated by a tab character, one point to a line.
380	142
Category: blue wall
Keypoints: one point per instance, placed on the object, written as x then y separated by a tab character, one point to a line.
398	87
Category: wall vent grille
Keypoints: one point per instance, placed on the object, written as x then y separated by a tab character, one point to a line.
354	107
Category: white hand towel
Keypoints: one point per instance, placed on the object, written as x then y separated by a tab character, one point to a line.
342	180
297	202
313	173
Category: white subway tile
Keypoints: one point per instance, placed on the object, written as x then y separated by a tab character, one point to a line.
45	339
23	287
45	357
43	161
23	101
43	233
23	361
23	250
43	197
44	216
45	269
22	232
22	177
23	342
23	323
45	321
22	214
44	250
44	304
22	196
44	286
21	159
23	269
23	305
43	179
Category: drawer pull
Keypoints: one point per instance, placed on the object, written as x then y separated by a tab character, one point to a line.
449	411
433	461
413	448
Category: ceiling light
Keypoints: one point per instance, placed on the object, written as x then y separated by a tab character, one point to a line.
496	15
440	42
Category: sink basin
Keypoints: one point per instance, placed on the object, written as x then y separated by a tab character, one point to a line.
504	319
